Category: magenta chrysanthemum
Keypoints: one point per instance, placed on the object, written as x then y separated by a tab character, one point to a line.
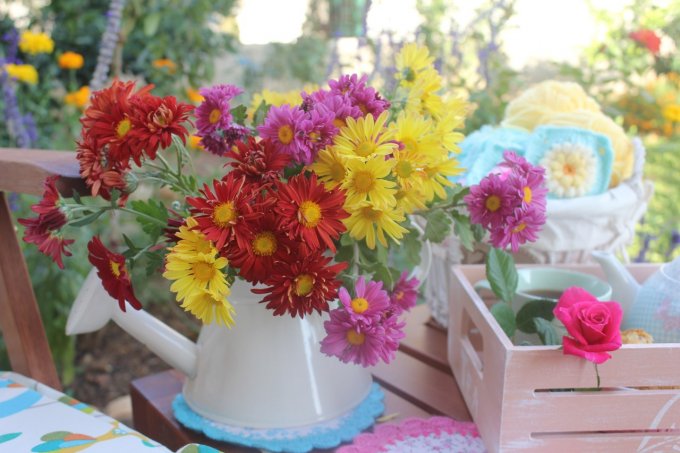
370	301
353	341
405	292
340	105
282	126
362	96
214	113
521	227
317	130
491	201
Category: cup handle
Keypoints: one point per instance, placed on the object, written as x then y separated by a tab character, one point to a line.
482	284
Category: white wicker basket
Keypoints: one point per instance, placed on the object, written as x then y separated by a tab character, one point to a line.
574	228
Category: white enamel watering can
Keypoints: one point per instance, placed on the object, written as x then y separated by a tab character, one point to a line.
653	306
265	372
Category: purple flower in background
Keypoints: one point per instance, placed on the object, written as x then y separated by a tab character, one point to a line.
20	127
370	302
361	96
282	126
520	227
214	113
221	141
317	132
108	44
340	105
405	292
490	202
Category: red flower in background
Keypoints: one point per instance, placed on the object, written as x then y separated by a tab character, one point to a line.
100	173
311	212
224	216
259	162
108	120
647	38
302	284
112	272
43	230
154	121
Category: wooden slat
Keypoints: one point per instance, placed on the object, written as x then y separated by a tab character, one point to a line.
424	341
24	170
425	386
20	321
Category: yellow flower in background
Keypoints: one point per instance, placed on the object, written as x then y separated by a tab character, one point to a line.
446	130
365	137
412	60
209	306
193	95
409	200
195	142
165	63
408	168
436	178
35	43
330	166
416	133
195	273
672	113
422	96
22	72
366	181
78	98
370	222
70	60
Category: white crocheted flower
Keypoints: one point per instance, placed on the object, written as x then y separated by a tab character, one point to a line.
570	169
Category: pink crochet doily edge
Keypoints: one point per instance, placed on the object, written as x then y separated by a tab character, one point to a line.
384	435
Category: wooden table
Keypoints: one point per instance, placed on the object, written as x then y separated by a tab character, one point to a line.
418	383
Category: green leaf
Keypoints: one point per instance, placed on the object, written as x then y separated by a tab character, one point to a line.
155	209
239	113
88	219
76	197
410	247
534	309
260	114
546	331
478	231
346	239
505	317
151	22
438	225
383	274
154	261
501	273
344	253
463	229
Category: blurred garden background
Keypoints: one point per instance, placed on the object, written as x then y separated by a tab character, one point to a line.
624	54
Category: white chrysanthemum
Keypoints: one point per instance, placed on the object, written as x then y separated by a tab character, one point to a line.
570	169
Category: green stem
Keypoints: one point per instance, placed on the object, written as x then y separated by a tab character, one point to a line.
141	214
597	373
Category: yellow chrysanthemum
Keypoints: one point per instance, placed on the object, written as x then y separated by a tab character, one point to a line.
35	43
22	72
411	61
672	113
437	178
166	64
70	60
446	133
78	98
409	200
417	134
209	307
193	95
330	167
408	168
365	181
365	137
192	242
423	97
195	273
368	222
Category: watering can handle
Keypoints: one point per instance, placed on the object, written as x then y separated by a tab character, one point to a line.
423	269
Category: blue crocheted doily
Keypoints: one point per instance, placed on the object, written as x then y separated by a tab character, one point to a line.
327	434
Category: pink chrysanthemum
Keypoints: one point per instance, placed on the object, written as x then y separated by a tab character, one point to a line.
215	111
370	301
491	201
353	341
530	189
394	332
521	227
362	96
340	105
222	141
317	130
405	292
282	126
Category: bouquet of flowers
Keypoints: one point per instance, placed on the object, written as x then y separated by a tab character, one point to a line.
317	201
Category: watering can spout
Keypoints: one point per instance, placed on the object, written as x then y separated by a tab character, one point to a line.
624	286
94	307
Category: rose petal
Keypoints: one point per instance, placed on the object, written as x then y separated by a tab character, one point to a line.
573	295
571	347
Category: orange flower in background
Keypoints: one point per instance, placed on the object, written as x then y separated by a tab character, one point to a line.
165	63
112	272
195	142
672	113
78	98
194	96
647	38
70	60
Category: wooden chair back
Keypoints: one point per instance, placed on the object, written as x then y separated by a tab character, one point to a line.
23	171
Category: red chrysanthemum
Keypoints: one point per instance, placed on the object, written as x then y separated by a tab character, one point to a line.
268	244
108	120
311	212
100	173
301	285
112	272
43	229
224	216
260	162
154	121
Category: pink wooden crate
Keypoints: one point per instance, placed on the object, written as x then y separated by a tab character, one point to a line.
518	395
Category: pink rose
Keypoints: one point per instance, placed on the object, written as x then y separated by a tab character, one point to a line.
594	326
